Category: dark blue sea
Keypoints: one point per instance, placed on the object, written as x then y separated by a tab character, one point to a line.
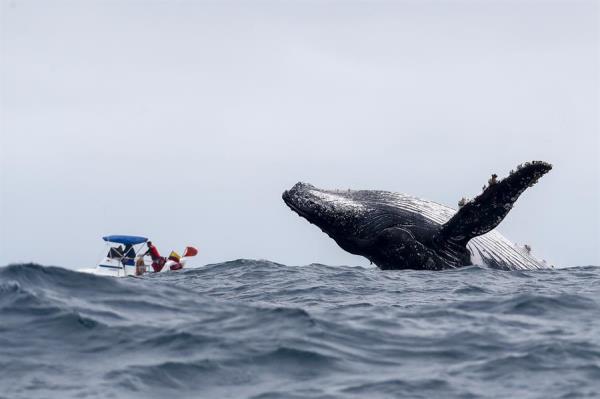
257	329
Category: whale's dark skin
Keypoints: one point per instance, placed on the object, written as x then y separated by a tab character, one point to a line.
395	232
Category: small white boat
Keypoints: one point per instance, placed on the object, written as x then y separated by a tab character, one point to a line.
125	257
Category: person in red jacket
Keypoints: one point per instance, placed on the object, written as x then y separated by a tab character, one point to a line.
158	262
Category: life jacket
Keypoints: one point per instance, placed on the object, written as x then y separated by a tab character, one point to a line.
154	253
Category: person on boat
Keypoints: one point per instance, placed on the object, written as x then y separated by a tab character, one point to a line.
115	252
128	255
140	266
158	262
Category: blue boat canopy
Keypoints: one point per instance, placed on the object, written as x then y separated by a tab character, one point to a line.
127	240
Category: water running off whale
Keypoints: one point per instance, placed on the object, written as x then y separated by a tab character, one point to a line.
398	231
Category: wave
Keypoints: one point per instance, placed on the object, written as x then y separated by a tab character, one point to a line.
260	329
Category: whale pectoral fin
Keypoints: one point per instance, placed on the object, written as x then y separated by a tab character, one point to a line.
488	209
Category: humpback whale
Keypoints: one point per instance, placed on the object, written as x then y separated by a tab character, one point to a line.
399	231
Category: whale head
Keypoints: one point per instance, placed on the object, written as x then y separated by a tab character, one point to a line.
334	211
351	218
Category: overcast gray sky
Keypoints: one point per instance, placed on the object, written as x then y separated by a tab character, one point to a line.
184	121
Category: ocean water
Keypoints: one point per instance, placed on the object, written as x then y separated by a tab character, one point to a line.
257	329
